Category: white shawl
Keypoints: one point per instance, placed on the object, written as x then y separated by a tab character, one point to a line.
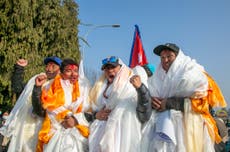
22	126
122	131
183	78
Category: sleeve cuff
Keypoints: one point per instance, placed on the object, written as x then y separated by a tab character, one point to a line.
81	119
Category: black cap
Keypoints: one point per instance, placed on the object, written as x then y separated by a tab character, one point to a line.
168	46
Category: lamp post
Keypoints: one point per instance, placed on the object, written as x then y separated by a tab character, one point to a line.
92	28
84	39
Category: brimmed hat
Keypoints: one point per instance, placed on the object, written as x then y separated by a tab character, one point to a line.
54	59
112	60
168	46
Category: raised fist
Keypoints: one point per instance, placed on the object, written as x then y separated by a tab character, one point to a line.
40	80
22	62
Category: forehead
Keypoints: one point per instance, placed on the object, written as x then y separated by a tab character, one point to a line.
51	63
166	51
109	66
71	67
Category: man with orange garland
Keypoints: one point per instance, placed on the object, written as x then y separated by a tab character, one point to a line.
65	127
181	94
26	117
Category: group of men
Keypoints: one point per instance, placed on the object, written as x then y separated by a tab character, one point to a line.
126	110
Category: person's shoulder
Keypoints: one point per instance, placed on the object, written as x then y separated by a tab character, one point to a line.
221	126
219	120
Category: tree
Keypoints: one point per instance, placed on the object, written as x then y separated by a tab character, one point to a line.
35	29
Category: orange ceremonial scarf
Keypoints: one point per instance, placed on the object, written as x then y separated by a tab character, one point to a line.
52	99
201	105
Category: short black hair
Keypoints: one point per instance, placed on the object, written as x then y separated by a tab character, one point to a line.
66	62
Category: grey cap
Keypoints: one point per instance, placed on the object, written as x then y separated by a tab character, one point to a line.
168	46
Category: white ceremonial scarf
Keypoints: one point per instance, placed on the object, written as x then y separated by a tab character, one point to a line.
184	77
139	70
22	126
122	131
66	140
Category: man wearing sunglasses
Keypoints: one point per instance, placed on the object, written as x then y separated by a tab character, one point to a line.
116	127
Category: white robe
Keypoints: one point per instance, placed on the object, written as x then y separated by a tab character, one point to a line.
122	131
22	126
68	140
165	131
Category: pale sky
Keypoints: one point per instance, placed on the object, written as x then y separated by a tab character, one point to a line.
201	28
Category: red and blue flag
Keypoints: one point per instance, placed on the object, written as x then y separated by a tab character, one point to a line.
137	56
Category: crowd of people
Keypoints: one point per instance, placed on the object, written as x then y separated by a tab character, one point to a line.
126	110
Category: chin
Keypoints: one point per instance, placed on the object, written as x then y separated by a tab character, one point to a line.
110	80
73	81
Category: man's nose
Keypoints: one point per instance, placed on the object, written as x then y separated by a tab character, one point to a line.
165	60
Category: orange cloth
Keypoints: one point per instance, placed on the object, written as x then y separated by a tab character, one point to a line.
52	99
201	105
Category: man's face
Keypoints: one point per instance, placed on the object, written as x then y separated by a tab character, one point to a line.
70	73
52	69
111	72
167	58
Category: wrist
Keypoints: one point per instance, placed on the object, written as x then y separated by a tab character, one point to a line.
75	120
94	115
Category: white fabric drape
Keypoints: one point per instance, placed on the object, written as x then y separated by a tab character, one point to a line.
184	78
122	131
22	126
68	140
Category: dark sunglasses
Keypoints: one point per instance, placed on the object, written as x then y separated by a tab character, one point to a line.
112	59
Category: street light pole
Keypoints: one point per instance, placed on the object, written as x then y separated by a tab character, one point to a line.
84	39
93	27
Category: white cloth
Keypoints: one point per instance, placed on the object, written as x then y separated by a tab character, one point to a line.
122	131
139	70
22	126
165	128
183	78
68	140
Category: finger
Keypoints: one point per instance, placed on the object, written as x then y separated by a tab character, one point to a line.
156	100
67	117
155	105
64	125
107	110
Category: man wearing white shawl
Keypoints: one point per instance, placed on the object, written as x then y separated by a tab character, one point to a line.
23	124
116	128
181	93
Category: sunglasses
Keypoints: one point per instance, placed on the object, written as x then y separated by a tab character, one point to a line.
112	59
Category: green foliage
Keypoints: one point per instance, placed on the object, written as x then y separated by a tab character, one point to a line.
33	30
